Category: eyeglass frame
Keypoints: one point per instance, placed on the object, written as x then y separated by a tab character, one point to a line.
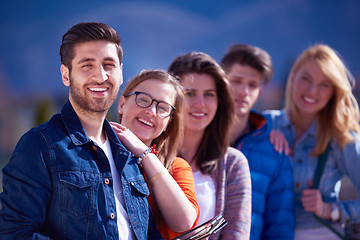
136	93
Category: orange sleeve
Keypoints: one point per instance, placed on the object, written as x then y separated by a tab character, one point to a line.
182	173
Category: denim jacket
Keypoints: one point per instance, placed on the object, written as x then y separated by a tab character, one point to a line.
58	185
339	163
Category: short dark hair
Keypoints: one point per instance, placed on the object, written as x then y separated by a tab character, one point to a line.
84	32
216	138
249	55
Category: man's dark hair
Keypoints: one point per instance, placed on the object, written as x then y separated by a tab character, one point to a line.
85	32
248	55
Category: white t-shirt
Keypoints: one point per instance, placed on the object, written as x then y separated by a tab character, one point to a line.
206	195
123	221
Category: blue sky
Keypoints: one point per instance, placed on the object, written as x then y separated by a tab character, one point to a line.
155	32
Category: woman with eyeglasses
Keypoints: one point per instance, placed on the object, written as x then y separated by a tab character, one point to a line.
221	173
151	127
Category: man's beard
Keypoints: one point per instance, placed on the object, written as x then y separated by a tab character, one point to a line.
90	105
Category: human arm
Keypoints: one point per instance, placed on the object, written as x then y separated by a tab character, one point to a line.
176	209
340	162
237	209
349	164
312	201
27	190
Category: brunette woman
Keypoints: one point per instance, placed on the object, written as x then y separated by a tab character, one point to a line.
221	173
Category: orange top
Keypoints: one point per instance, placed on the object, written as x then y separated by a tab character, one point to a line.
182	173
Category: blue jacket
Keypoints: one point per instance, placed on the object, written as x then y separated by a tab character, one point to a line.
273	214
58	184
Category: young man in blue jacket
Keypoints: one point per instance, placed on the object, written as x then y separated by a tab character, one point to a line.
71	177
273	217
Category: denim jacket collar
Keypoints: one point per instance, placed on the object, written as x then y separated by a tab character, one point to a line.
73	125
284	122
77	132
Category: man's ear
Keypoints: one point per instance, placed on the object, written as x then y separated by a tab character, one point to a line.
65	75
122	77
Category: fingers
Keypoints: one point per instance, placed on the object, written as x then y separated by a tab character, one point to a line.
278	145
287	149
312	201
274	139
279	142
118	127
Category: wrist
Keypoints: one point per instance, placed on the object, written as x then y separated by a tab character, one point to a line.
335	214
326	211
151	149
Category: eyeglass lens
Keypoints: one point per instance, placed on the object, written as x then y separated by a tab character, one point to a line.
144	100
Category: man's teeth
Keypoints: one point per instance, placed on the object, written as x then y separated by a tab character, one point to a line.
98	89
146	122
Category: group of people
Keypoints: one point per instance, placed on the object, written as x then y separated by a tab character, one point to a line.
187	146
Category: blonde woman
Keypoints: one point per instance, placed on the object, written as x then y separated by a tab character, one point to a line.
321	111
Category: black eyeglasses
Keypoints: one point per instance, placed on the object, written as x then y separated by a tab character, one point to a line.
144	100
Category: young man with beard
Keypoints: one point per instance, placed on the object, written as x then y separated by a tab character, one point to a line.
273	217
60	181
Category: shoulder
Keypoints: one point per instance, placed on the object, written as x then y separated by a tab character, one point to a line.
278	118
234	161
55	124
260	150
233	154
180	167
37	134
273	112
352	148
180	163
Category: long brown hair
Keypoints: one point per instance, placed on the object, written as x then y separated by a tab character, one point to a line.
341	114
167	143
216	138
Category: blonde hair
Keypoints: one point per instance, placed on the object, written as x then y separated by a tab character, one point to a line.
341	114
167	142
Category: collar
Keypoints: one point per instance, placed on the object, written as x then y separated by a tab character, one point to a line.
77	132
256	120
284	122
73	125
255	126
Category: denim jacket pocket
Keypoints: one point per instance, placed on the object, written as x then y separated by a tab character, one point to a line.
138	210
140	186
77	192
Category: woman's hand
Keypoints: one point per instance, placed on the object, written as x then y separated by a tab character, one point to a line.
279	142
129	139
312	202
